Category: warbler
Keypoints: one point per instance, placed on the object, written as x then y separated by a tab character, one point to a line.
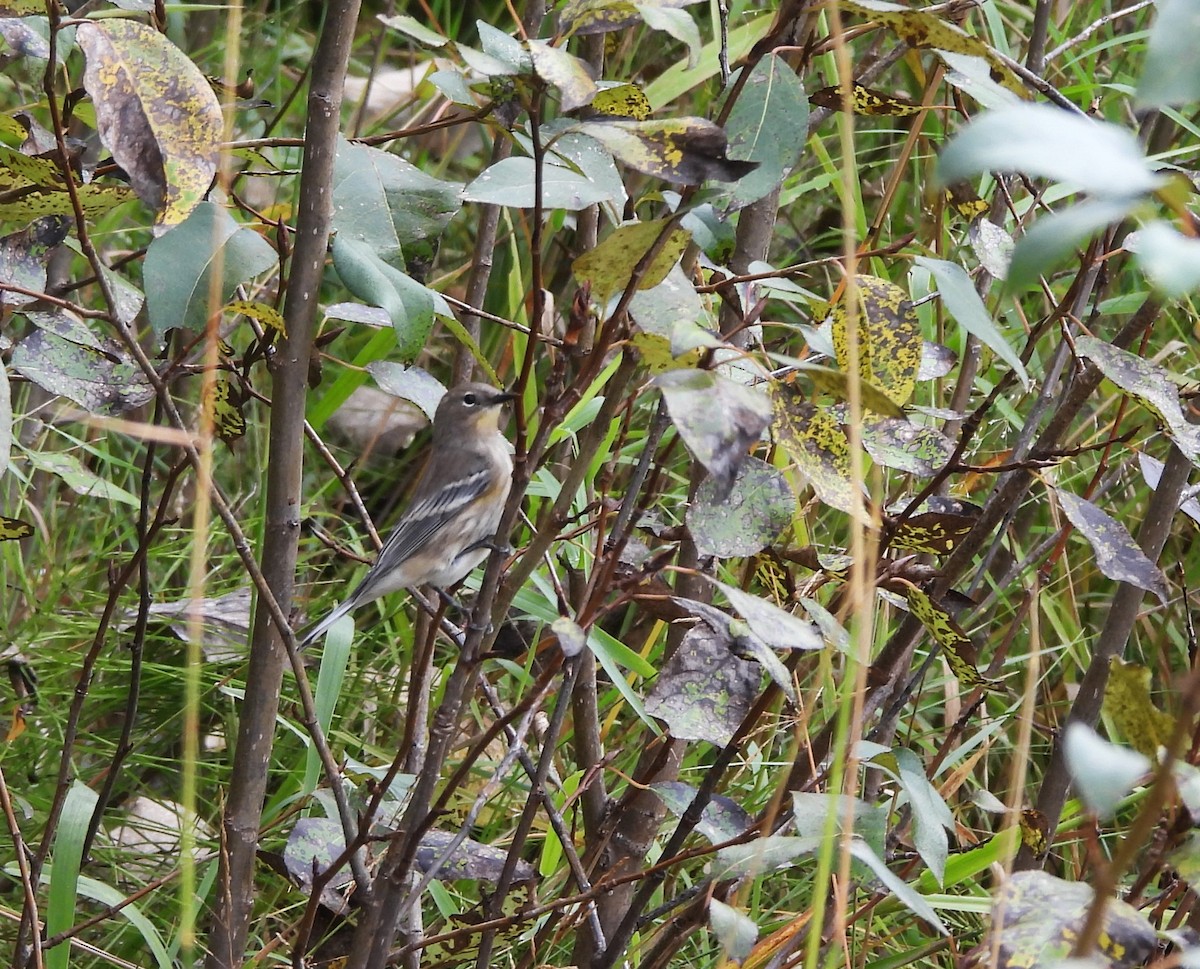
451	522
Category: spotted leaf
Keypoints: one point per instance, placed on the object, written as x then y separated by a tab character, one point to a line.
1150	384
1127	702
224	408
817	445
866	101
13	528
610	266
932	533
956	644
889	337
266	315
682	151
623	101
900	444
155	112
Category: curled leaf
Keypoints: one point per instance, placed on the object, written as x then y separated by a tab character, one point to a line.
155	112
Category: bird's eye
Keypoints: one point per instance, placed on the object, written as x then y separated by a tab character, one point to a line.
470	400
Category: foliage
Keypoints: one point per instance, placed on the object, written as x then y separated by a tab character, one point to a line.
827	327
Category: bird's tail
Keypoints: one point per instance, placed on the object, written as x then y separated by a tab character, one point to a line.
317	631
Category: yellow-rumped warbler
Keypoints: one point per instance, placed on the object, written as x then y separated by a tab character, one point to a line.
455	509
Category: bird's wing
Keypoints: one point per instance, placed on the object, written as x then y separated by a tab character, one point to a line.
427	515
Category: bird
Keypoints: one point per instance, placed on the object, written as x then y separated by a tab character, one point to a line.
450	524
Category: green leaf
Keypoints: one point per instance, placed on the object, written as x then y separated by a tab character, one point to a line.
683	151
1102	773
79	479
511	182
1171	72
762	855
776	627
22	8
601	16
963	303
1052	237
1169	259
179	266
751	517
155	112
414	29
64	868
6	421
768	125
905	893
931	815
717	419
1092	156
1117	555
408	303
671	20
382	200
609	267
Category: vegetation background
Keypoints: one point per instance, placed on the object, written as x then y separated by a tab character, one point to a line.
845	620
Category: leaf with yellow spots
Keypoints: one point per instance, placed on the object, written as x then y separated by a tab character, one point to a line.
609	267
933	533
1128	705
622	101
682	151
837	384
817	445
965	201
225	411
922	29
866	101
32	202
655	353
1117	555
889	337
268	316
956	644
1033	831
22	8
155	112
37	171
13	528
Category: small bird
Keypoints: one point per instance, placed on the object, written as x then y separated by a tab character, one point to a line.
456	506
